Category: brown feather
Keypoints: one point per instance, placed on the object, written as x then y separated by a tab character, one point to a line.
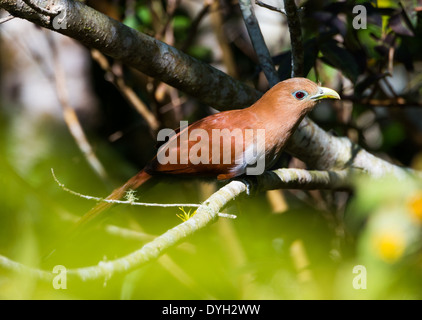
278	112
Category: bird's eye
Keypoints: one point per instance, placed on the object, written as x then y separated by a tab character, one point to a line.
299	95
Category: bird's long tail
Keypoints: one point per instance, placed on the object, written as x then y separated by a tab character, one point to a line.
133	183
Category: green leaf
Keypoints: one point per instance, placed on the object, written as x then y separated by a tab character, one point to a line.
340	58
388	4
393	135
409	10
181	23
370	39
144	15
201	53
131	22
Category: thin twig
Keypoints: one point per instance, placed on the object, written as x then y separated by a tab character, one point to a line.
41	10
258	42
5	19
221	33
293	21
193	29
70	116
206	214
396	102
226	215
170	10
309	143
270	7
125	90
130	202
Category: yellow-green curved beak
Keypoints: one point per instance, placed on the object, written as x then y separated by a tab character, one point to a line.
325	93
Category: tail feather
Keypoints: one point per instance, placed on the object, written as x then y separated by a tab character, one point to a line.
133	183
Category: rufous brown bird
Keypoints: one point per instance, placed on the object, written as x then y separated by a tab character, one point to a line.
231	143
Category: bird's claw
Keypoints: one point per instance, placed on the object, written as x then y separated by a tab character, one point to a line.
249	186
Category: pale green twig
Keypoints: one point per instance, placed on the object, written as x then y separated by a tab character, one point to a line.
130	201
207	213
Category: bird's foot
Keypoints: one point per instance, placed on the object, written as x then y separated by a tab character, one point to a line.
249	185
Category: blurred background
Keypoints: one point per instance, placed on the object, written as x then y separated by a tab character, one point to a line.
94	121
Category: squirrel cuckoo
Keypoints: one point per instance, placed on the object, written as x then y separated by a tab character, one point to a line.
278	112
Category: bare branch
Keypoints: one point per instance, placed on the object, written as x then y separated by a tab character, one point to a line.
258	42
142	52
126	91
206	214
270	7
305	179
293	21
70	116
309	143
130	202
396	102
193	30
5	19
34	5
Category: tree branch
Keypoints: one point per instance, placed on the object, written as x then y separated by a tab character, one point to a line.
7	18
206	214
270	7
34	5
131	201
127	92
293	21
258	42
148	55
309	143
70	116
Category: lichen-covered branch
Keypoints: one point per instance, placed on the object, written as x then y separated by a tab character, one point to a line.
206	214
323	151
8	264
305	179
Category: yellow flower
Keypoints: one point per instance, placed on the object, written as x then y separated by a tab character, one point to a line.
389	244
415	207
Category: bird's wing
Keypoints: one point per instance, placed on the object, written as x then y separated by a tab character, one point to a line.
191	150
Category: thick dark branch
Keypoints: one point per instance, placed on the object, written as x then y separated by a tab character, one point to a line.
309	143
293	21
141	51
34	5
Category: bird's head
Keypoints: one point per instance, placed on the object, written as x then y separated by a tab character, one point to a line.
299	94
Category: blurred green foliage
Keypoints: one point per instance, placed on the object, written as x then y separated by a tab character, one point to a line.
308	251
